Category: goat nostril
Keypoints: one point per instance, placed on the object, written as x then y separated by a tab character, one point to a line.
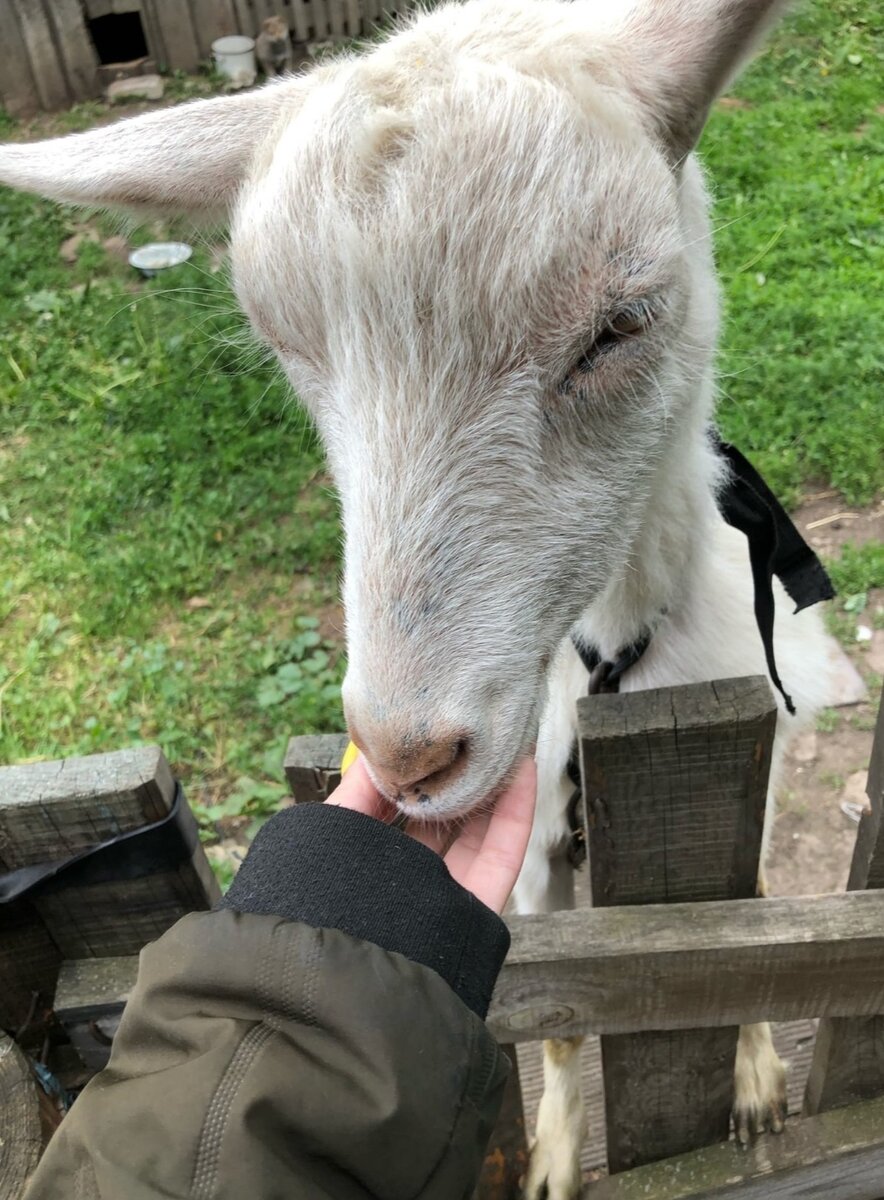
414	767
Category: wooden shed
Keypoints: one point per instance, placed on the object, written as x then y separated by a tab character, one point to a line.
54	53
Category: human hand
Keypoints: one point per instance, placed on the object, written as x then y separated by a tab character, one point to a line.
484	852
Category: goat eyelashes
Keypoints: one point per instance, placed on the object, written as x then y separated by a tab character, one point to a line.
622	327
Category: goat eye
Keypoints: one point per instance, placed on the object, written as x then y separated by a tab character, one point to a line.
629	323
621	327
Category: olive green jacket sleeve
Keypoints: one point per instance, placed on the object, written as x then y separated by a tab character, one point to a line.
261	1057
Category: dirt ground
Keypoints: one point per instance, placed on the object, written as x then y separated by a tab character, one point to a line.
823	785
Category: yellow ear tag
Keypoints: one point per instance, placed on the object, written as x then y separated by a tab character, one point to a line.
350	756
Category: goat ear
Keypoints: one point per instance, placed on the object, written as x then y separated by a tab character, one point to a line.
188	159
685	52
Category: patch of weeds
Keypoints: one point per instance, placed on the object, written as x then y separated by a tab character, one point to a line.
833	780
254	799
828	720
224	872
864	722
856	603
858	568
302	666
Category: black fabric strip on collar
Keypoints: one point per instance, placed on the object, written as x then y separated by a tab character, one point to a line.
161	846
775	548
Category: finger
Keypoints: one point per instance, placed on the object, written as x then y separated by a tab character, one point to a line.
494	871
432	834
357	792
467	843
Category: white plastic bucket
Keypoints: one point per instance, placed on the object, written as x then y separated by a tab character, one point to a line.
235	59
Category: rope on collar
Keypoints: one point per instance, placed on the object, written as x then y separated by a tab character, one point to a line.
604	679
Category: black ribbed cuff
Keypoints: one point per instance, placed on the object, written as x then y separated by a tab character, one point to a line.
333	868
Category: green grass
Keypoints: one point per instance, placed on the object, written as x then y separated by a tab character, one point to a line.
798	175
166	531
142	466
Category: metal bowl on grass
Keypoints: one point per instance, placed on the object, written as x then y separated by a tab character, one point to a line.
158	256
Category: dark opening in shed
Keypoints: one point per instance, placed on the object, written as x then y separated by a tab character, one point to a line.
118	37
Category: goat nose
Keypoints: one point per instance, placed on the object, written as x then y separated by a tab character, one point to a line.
412	764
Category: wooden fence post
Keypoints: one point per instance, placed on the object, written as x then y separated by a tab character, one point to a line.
313	765
674	785
848	1058
54	810
27	1120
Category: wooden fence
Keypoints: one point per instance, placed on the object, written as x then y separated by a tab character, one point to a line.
48	56
677	953
674	956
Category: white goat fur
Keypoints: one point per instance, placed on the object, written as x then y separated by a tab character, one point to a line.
429	235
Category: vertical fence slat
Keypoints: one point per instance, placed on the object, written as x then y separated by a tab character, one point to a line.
353	19
44	59
153	33
300	23
245	18
76	49
335	11
848	1058
18	91
319	23
212	19
173	17
674	785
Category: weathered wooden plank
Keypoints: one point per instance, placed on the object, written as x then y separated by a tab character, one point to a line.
506	1158
313	765
51	811
89	1001
43	54
370	12
299	19
153	33
837	1156
29	962
262	10
683	966
674	786
245	18
335	16
180	47
18	91
25	1123
212	19
75	48
319	22
675	782
680	966
848	1059
353	19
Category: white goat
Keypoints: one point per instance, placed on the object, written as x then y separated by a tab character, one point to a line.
481	252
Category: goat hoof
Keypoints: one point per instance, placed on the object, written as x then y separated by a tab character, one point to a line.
759	1086
551	1175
